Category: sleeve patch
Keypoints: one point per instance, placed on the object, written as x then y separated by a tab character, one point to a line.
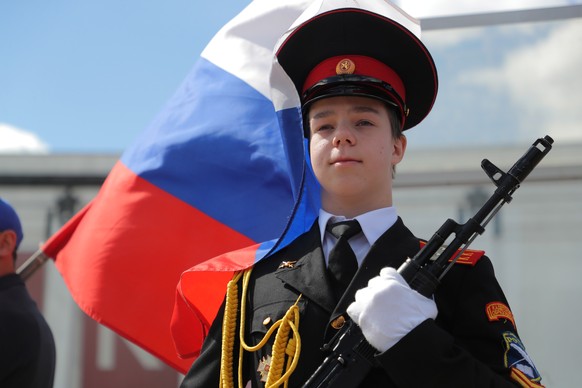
497	311
523	380
516	358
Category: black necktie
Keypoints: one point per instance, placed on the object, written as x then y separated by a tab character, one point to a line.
342	261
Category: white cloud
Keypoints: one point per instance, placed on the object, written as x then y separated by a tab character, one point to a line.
14	140
442	39
449	38
543	81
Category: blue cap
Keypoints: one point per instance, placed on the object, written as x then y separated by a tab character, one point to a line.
9	220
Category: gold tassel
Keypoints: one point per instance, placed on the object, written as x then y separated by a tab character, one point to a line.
283	347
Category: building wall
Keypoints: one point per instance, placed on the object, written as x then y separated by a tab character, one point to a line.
89	355
533	242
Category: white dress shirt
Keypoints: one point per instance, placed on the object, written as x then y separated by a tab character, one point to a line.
373	224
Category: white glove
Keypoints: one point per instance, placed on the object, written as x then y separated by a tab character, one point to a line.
388	309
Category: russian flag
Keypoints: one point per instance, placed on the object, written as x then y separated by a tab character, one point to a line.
220	169
202	287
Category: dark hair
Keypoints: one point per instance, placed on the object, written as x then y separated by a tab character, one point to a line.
396	127
396	124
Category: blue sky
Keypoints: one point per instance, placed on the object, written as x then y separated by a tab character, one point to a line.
89	76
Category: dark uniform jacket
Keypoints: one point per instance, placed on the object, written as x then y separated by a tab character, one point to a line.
27	347
464	347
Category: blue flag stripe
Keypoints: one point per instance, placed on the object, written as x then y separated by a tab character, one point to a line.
217	146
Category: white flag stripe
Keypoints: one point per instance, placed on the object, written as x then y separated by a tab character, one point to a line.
244	46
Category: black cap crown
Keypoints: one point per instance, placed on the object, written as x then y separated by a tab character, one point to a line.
350	51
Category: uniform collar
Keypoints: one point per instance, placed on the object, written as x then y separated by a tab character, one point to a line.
373	223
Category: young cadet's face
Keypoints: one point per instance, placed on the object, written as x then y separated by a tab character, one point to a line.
352	153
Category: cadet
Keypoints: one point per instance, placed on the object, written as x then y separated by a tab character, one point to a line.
27	351
363	79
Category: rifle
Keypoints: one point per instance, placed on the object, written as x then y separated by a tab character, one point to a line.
352	357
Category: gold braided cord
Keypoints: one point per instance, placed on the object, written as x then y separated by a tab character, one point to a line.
283	347
243	309
228	332
293	348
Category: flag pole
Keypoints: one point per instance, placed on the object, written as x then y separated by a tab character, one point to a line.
32	264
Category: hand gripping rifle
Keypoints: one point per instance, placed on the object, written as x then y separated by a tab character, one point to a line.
352	356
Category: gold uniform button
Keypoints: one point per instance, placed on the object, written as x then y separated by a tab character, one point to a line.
338	323
266	321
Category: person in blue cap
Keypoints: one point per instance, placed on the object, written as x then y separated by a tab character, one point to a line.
27	347
363	78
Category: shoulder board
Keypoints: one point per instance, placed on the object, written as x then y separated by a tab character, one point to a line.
469	257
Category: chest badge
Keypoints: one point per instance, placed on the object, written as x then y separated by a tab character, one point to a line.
264	367
287	264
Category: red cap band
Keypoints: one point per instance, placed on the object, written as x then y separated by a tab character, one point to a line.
358	65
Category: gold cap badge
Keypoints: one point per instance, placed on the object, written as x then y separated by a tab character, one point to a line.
345	66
